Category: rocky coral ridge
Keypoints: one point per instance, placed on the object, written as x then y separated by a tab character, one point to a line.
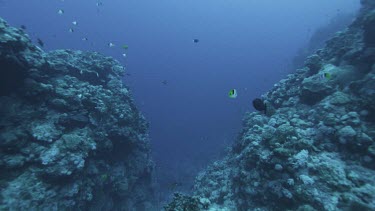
317	150
70	134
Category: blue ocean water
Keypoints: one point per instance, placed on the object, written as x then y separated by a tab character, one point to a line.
246	45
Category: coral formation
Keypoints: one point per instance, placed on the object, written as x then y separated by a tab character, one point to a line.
316	151
320	36
71	137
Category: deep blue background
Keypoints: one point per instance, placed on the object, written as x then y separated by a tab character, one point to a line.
244	44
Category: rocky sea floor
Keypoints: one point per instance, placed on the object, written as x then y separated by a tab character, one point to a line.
71	137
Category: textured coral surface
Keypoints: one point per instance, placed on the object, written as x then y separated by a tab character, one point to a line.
316	148
71	137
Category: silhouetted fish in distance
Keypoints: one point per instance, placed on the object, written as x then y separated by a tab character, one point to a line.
40	42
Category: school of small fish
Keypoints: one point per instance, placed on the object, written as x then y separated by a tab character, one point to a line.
75	24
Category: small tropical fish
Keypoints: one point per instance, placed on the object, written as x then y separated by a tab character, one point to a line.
165	82
60	12
40	42
75	23
174	185
325	76
111	45
124	55
125	47
232	93
195	40
104	177
84	39
259	105
71	30
99	3
204	138
23	27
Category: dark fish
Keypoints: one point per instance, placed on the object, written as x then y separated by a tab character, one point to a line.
174	185
195	40
165	82
204	138
23	27
259	105
40	42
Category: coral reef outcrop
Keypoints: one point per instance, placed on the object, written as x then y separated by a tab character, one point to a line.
71	137
317	150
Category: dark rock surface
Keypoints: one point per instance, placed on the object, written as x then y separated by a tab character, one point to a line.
317	150
71	137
